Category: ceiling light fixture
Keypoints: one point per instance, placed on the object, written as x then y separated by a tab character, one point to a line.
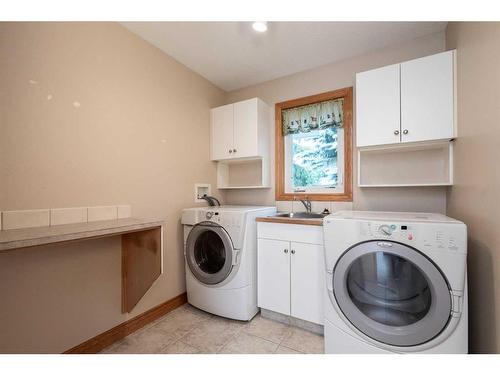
260	26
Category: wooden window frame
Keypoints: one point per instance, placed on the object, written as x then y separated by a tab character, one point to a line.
281	194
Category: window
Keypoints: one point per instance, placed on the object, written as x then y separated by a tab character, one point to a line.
314	161
313	148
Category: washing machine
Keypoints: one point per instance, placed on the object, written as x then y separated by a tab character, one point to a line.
220	250
396	283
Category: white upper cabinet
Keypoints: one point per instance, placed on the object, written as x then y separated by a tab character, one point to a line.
377	106
240	130
246	128
409	102
222	130
427	98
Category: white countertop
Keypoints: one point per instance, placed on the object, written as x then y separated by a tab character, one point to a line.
27	237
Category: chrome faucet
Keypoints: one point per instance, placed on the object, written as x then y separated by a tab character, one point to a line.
307	205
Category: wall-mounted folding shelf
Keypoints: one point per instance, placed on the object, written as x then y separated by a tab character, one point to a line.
141	242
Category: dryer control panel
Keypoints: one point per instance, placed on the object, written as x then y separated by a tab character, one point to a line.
395	232
437	236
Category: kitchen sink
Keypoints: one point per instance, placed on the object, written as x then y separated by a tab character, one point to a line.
301	215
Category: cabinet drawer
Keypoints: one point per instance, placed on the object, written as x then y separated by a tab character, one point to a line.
291	232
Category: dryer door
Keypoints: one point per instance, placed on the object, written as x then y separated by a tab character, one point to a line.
392	293
209	253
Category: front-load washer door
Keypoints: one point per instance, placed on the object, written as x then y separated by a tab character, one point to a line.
209	253
392	293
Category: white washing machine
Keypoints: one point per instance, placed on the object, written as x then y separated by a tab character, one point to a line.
220	250
396	283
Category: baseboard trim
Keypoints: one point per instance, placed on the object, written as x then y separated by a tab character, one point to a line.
103	340
296	322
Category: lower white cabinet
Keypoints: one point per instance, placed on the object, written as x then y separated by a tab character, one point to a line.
274	275
291	276
307	282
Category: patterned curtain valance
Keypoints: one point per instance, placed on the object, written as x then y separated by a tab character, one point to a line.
321	115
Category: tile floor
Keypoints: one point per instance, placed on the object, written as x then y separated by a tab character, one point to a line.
187	330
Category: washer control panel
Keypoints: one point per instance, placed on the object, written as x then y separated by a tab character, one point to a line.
225	219
213	216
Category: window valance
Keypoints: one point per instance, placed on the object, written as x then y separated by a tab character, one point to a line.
321	115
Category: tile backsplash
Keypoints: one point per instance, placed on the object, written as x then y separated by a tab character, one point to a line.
57	216
102	213
68	215
25	219
124	211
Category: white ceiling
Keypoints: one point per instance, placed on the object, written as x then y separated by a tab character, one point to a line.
232	55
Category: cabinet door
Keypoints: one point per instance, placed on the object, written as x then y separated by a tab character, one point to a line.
307	281
378	107
274	275
221	126
246	128
427	98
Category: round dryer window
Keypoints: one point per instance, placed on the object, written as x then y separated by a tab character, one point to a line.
209	253
392	293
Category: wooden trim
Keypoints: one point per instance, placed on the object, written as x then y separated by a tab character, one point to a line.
141	265
105	339
346	196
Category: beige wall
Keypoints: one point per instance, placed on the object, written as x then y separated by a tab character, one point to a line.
123	145
139	137
474	196
335	76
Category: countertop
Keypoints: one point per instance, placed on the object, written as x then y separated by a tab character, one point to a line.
27	237
290	220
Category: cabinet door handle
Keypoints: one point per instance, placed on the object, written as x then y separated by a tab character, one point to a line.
234	150
293	251
405	131
396	132
285	251
230	151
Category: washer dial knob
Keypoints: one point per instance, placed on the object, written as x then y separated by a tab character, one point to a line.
386	230
209	215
